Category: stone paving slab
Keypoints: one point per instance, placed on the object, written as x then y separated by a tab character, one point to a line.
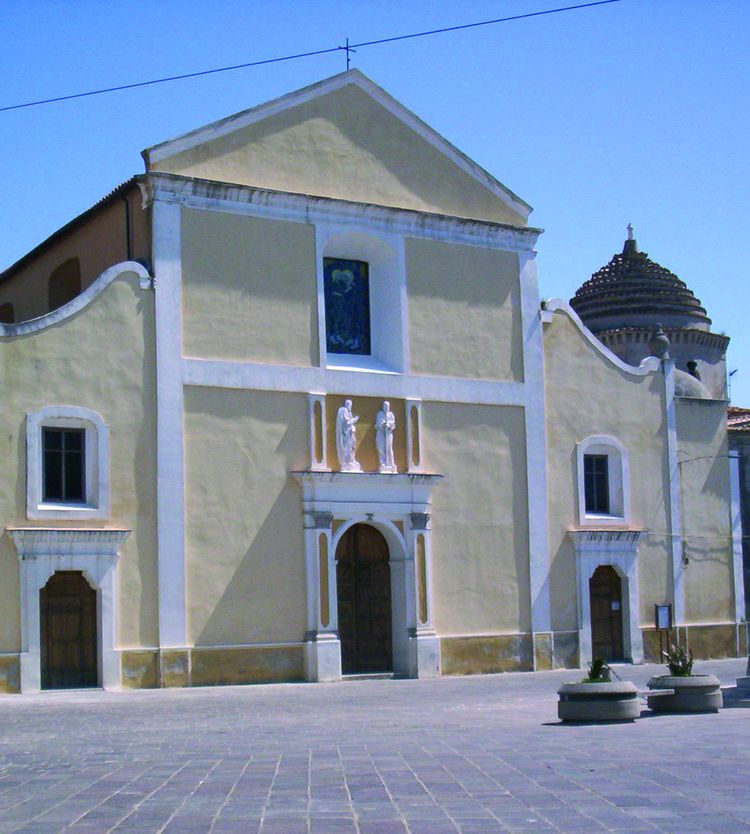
452	756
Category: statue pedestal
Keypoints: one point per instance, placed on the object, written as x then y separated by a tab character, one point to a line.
350	467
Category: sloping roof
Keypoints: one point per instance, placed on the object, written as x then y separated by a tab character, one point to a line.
738	419
70	225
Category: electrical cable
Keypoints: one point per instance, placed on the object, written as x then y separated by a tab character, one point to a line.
348	48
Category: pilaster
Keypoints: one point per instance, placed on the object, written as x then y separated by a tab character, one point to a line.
425	655
322	646
169	431
675	504
536	444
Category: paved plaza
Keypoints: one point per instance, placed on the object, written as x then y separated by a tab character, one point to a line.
473	755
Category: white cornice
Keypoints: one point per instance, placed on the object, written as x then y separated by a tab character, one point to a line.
80	301
607	539
209	195
370	489
354	77
35	542
557	305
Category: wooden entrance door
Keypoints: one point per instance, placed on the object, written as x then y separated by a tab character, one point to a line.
363	587
605	589
68	632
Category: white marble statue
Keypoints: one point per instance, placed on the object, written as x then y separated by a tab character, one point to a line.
346	438
385	426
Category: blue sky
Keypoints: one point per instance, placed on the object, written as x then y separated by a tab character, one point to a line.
632	112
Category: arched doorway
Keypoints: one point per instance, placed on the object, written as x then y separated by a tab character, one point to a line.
363	589
67	605
605	589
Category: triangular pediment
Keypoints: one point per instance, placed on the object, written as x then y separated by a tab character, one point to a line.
343	138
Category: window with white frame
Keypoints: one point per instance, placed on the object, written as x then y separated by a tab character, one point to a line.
603	482
67	471
362	299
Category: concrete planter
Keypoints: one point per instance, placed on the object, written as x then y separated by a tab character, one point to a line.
613	701
692	693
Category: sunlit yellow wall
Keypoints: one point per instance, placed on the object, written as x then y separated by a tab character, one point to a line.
245	550
588	395
479	518
464	311
704	487
343	145
249	288
102	359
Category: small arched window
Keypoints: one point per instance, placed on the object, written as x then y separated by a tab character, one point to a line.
64	283
67	460
603	482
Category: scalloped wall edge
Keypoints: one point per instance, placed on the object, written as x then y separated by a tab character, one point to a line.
558	305
80	301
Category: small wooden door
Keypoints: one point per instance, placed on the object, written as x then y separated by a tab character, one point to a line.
68	632
363	587
605	588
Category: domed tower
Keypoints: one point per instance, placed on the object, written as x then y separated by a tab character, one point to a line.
625	301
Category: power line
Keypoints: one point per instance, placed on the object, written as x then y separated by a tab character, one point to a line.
348	48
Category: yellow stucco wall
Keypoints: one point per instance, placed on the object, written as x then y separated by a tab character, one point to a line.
479	518
704	489
101	358
343	145
464	311
586	394
249	289
98	243
245	549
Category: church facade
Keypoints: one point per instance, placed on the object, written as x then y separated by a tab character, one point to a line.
288	406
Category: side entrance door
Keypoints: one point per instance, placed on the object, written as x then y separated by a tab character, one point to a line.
68	632
605	588
363	587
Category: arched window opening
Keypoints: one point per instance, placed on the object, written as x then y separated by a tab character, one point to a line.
64	283
7	313
67	450
603	482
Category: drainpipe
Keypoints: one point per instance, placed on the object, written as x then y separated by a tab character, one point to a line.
128	247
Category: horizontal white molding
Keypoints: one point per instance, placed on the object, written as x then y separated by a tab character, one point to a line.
208	195
221	646
213	373
486	635
218	646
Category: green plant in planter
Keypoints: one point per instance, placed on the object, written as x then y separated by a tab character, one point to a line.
679	661
599	671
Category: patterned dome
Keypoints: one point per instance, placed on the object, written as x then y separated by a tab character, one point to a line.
634	291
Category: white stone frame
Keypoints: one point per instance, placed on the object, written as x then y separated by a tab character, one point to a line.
42	551
618	469
385	255
384	502
97	503
619	550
